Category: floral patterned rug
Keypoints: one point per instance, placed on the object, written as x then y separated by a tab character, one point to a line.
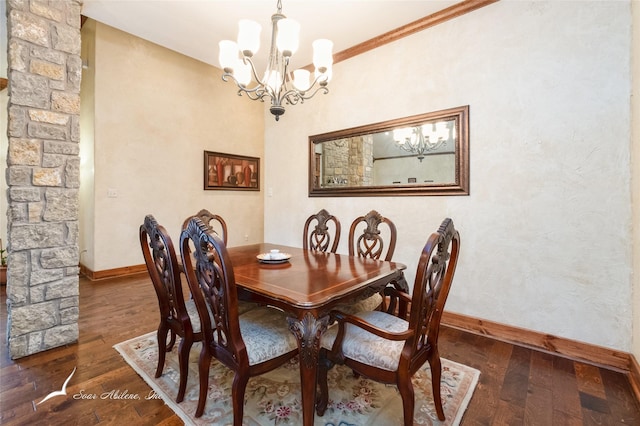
274	398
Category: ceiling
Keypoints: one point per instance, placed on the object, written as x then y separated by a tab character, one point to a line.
194	27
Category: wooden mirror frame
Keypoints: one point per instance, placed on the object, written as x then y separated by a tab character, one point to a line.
459	187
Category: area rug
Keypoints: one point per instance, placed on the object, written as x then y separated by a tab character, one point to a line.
274	398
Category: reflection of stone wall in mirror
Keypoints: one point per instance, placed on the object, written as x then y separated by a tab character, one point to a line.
347	162
433	169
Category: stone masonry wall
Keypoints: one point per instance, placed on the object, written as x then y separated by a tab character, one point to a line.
348	162
43	162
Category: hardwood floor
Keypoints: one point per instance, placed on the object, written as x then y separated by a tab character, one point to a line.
517	386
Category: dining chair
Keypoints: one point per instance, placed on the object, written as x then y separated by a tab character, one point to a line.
250	344
367	239
213	221
209	219
320	236
177	316
370	243
388	348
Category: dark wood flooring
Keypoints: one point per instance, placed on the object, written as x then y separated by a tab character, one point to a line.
517	386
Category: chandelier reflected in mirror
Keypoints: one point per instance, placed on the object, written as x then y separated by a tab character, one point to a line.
422	139
277	83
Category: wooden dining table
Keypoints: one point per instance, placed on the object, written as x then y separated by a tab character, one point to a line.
307	287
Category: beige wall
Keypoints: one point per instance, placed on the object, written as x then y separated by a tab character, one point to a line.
545	231
87	112
635	144
156	112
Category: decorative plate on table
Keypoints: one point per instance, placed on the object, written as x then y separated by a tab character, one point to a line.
273	257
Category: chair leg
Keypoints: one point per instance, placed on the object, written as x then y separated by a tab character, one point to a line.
172	341
237	395
183	360
162	348
436	374
405	386
204	362
322	400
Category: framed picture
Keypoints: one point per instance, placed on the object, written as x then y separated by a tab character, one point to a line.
233	172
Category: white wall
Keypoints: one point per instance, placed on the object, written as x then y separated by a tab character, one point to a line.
86	197
635	193
545	231
156	112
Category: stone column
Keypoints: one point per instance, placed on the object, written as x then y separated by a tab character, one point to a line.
43	162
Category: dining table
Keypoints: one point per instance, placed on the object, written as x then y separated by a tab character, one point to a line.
307	285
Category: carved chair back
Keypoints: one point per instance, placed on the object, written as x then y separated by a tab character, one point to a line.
213	286
434	276
161	261
320	238
164	271
213	222
370	243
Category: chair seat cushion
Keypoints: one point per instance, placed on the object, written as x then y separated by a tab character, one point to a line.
266	334
367	348
192	311
370	303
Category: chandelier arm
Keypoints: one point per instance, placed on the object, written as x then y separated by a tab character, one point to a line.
246	60
323	89
422	146
302	96
256	93
292	96
266	89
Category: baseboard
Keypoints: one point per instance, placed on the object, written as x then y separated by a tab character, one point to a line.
579	351
111	273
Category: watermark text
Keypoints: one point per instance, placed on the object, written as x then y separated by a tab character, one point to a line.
116	394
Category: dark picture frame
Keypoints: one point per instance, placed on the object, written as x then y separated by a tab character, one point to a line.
231	172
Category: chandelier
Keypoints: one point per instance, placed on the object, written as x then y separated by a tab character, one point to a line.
421	139
277	84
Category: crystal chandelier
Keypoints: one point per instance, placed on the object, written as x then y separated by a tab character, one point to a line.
277	83
421	139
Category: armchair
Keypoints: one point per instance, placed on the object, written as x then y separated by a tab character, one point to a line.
388	348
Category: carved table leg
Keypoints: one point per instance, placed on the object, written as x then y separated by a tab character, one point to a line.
401	283
308	332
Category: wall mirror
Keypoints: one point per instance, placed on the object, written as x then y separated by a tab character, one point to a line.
425	154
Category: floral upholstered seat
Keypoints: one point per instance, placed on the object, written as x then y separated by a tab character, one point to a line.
367	348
